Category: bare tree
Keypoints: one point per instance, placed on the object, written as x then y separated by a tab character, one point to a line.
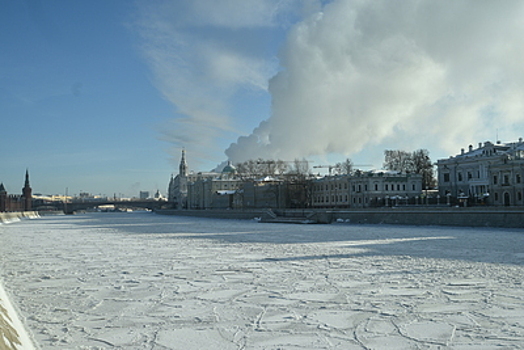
300	168
417	162
260	168
345	167
422	165
397	160
248	169
297	189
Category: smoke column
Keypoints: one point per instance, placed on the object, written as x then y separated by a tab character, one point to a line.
416	74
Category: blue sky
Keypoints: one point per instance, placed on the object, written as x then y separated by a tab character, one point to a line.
101	96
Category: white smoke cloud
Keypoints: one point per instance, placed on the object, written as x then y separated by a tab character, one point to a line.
407	74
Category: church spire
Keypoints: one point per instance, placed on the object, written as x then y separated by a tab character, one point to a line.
183	164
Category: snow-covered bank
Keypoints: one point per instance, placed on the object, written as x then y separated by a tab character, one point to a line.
7	218
13	335
135	281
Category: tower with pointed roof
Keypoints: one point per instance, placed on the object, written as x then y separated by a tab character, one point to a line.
177	191
183	164
27	196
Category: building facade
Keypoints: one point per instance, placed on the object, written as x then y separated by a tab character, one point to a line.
229	190
12	202
214	190
491	174
366	189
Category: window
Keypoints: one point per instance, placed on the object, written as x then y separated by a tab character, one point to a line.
376	187
459	175
470	176
496	196
398	187
495	179
365	187
386	187
446	177
518	179
403	187
519	196
413	187
506	179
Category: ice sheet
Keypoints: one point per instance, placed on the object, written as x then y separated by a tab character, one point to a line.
142	281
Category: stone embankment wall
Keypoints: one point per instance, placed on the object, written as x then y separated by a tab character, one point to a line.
444	216
16	216
471	217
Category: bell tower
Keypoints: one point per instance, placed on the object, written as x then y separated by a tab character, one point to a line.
27	193
183	164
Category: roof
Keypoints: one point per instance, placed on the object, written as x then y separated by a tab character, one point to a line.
229	168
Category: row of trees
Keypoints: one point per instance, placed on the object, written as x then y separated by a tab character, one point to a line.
267	167
417	162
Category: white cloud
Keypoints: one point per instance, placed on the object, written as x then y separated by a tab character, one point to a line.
416	74
235	13
199	55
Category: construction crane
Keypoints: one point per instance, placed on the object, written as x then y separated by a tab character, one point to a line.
330	167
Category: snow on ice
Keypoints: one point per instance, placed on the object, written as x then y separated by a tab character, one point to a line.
144	281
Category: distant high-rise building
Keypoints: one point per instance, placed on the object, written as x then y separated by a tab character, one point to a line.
144	194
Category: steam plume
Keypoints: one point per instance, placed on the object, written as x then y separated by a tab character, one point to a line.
409	73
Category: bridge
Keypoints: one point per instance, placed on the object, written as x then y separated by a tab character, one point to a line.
75	206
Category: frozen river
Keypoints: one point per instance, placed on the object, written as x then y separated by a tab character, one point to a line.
145	281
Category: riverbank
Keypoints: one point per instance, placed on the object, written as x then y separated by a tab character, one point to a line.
13	335
440	216
6	218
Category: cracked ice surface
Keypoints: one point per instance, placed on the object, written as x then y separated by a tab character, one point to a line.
144	281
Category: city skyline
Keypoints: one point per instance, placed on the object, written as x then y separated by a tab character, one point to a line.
101	97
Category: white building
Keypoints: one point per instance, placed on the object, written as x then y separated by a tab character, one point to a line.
490	174
366	189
